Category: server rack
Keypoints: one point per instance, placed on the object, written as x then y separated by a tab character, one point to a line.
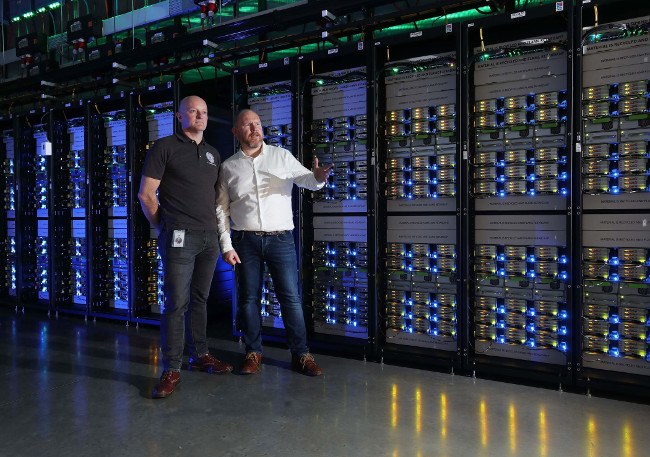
269	89
519	199
40	135
151	116
71	208
613	143
420	305
8	183
109	216
339	221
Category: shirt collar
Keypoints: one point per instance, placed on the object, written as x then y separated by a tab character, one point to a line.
186	139
244	156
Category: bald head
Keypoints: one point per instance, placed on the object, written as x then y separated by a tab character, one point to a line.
193	116
189	100
248	130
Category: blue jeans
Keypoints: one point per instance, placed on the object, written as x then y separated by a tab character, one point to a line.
188	275
279	253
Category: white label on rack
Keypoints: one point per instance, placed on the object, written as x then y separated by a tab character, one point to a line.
518	15
415	34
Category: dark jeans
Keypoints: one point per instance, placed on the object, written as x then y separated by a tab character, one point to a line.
279	253
188	275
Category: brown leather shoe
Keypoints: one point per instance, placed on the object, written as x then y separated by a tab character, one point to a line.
306	365
252	363
165	387
209	364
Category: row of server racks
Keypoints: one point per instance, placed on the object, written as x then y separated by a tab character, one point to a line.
488	211
74	238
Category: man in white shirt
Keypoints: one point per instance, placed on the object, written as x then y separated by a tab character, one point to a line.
254	200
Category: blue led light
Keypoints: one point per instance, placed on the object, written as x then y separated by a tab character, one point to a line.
614	277
563	314
614	319
531	258
615	190
501	310
501	258
614	336
531	312
501	324
562	330
614	261
531	274
563	346
614	352
501	339
563	259
530	328
564	275
530	343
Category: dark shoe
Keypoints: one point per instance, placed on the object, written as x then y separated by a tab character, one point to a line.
252	363
306	365
165	387
209	364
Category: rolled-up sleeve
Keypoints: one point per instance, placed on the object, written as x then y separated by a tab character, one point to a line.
223	211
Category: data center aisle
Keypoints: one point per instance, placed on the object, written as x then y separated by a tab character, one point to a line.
68	388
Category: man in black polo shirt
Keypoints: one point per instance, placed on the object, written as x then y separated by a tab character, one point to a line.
184	169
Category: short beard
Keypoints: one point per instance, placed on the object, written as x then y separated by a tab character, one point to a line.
253	144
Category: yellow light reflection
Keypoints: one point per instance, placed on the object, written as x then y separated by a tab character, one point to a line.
418	411
443	416
543	433
512	413
484	427
592	437
396	453
393	409
628	442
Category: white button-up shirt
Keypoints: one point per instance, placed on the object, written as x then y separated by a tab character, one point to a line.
254	194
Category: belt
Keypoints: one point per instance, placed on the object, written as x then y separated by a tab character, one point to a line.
276	233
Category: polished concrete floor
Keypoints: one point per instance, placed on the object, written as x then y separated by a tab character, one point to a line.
73	389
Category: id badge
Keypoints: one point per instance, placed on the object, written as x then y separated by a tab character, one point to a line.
178	240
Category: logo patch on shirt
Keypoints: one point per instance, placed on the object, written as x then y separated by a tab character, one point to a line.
210	158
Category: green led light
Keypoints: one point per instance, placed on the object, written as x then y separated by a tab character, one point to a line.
15	19
42	10
54	5
28	14
248	9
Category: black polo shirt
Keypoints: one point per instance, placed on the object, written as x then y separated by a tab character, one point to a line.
188	175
